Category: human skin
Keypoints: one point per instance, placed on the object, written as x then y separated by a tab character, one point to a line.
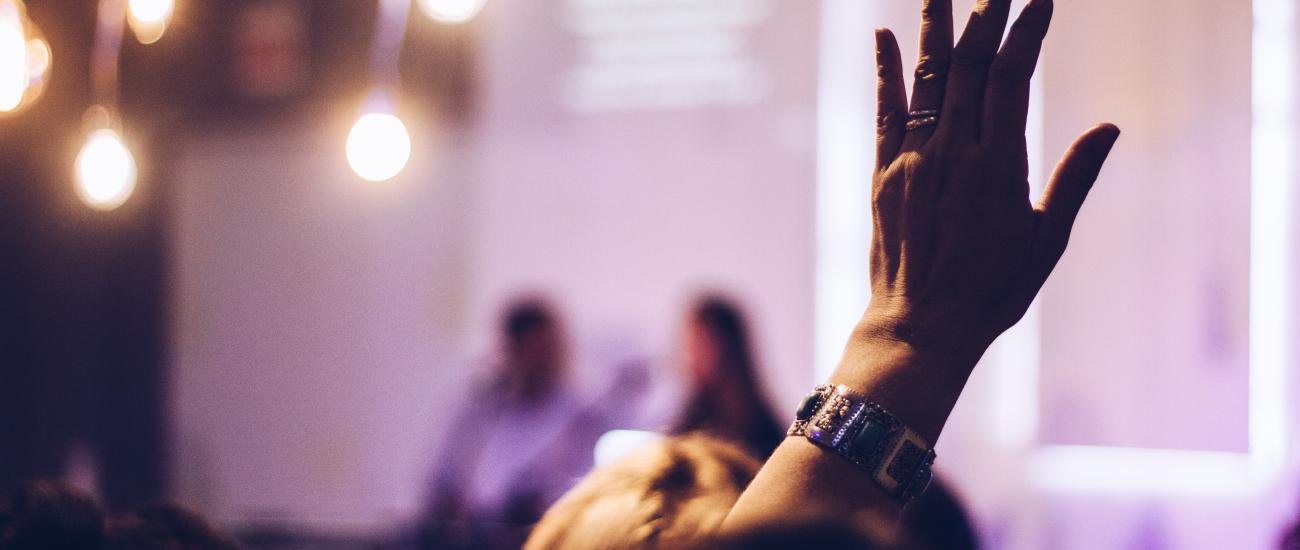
959	250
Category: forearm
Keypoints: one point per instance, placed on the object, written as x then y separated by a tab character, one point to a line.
918	385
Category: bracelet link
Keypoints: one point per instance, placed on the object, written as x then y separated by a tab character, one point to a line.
864	433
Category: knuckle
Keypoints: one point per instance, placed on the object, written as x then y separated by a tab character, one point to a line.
880	194
885	191
888	118
968	58
912	164
886	71
1008	71
930	69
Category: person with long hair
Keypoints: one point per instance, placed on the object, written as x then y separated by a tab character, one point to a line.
725	399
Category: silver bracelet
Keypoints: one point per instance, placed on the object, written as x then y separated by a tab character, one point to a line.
895	456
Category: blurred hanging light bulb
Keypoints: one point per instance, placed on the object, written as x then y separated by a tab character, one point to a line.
24	58
451	11
13	59
378	145
149	18
105	168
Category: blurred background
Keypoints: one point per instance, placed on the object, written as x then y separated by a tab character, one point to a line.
267	258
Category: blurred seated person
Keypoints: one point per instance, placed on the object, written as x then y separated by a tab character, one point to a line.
724	399
515	444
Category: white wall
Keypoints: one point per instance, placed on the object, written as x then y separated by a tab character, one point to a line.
316	325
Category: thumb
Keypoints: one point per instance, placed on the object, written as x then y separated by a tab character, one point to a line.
1071	182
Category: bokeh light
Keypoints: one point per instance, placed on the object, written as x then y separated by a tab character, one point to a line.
24	59
378	146
451	11
105	170
149	18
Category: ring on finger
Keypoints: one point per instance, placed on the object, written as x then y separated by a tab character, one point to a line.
922	119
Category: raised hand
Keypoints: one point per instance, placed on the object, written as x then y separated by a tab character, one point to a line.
959	251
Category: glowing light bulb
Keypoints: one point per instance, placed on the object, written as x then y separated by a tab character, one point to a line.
451	11
13	63
105	170
149	18
378	146
24	58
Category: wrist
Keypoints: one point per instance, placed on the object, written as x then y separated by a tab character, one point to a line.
927	328
919	383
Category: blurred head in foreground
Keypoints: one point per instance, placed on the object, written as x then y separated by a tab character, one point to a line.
1291	537
53	514
725	399
165	527
48	514
665	495
938	519
673	494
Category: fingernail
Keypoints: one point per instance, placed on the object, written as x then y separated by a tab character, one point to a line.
882	34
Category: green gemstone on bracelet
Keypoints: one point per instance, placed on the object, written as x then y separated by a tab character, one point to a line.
870	436
809	406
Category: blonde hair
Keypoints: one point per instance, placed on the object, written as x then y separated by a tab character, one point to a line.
670	494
